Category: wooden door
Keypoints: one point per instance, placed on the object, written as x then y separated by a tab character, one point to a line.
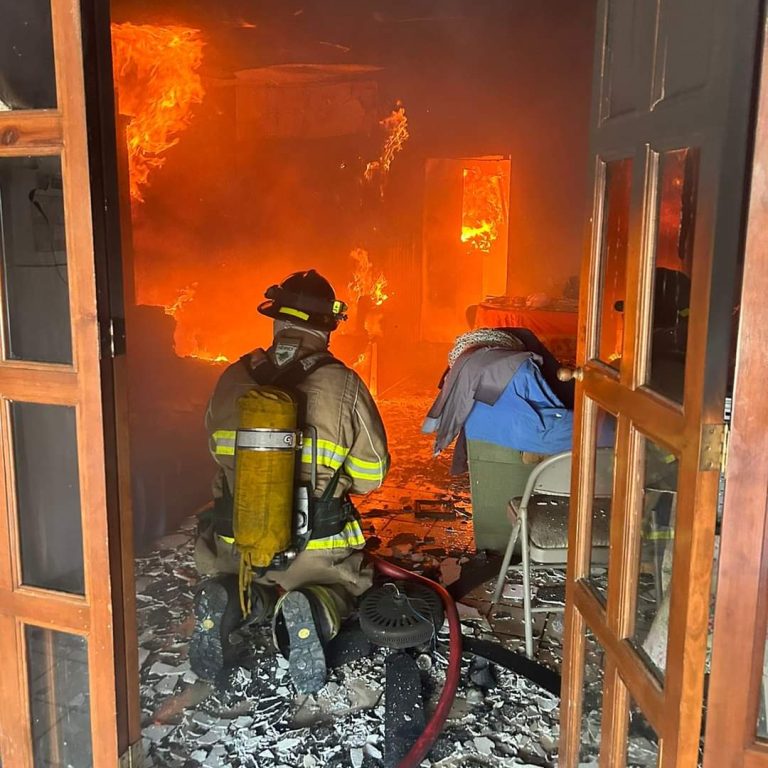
669	133
736	734
59	682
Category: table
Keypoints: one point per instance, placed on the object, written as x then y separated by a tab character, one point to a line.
556	325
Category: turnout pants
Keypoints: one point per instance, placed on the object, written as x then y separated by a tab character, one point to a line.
342	569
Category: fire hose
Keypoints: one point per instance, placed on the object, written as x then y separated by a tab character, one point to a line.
435	725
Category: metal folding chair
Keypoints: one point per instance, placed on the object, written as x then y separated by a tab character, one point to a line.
540	519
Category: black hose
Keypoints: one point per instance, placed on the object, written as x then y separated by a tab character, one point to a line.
515	662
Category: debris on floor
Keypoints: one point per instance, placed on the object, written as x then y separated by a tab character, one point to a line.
421	518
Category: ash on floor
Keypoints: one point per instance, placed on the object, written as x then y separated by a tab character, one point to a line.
261	722
420	518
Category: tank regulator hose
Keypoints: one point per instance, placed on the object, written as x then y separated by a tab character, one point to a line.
424	743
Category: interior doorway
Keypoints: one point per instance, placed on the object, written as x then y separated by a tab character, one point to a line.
256	143
416	157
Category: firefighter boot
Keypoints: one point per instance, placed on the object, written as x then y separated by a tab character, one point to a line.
305	621
217	614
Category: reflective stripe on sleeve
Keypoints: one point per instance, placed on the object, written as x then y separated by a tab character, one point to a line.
350	536
329	454
224	440
364	470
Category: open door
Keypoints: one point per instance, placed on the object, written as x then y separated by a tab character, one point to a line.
669	138
737	707
61	612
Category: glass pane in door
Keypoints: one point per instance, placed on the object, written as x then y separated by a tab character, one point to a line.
27	73
592	699
48	496
657	526
762	703
642	740
671	279
34	259
59	698
613	260
602	494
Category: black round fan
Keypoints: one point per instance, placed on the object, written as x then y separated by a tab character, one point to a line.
400	614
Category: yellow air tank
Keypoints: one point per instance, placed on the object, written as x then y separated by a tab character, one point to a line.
265	463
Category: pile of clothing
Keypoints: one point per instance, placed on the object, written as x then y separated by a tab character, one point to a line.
501	387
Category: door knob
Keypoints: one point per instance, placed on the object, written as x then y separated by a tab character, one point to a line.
566	374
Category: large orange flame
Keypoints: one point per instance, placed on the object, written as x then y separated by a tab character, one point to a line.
156	73
482	209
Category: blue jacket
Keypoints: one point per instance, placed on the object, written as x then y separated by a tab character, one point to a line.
527	416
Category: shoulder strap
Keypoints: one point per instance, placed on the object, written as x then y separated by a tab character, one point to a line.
266	372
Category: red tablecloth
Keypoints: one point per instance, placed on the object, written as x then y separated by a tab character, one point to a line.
556	329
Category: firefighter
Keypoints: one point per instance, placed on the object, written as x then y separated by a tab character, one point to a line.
308	599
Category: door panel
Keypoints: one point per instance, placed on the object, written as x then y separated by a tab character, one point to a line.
57	663
627	75
735	734
672	108
683	50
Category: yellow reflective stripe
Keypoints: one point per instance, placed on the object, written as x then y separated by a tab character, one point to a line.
659	535
365	475
360	464
325	461
328	454
225	442
364	470
294	312
351	535
327	446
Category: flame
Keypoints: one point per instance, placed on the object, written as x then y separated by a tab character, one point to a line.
482	209
184	343
185	295
364	280
156	74
396	127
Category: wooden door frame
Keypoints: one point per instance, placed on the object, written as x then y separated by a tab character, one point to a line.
741	612
81	131
674	709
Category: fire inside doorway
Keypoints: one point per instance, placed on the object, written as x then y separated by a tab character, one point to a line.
425	157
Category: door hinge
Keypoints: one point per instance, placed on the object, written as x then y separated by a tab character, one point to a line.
112	338
713	454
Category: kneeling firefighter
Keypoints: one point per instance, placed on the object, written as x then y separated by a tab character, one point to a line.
294	432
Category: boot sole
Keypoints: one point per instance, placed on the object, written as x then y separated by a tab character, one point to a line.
306	659
208	648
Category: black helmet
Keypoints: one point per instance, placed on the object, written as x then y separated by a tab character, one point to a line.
306	297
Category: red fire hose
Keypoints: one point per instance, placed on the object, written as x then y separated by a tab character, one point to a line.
424	743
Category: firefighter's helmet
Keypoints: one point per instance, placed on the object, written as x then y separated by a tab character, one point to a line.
306	297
